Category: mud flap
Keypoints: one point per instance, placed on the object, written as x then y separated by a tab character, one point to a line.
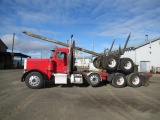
23	76
110	77
145	79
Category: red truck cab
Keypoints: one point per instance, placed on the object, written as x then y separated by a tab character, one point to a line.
57	63
59	67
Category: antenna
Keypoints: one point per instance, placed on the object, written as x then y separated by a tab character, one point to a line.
146	38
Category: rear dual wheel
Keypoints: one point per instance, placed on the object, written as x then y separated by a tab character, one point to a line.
110	63
126	65
134	80
96	62
119	80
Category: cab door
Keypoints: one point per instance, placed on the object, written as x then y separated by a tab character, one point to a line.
61	62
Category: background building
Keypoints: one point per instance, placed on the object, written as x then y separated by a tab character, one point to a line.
83	61
7	60
145	54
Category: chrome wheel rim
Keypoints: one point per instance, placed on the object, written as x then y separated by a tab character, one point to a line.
94	79
34	80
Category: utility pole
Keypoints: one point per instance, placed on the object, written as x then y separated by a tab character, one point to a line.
13	42
12	54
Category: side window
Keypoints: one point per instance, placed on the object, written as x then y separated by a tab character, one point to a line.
62	55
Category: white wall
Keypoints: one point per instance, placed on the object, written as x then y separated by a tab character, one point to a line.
130	54
79	62
149	52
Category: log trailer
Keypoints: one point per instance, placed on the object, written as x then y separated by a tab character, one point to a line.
120	72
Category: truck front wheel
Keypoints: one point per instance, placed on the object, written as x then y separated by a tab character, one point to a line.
34	80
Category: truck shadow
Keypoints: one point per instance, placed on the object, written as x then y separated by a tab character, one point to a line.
51	84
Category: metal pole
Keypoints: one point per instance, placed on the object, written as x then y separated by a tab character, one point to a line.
13	43
67	42
12	54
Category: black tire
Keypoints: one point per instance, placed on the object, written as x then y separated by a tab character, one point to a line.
96	62
93	79
134	80
34	80
111	63
119	80
104	62
126	65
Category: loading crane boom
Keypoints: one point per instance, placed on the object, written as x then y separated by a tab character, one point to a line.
60	43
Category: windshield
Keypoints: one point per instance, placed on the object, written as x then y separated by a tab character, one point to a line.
52	53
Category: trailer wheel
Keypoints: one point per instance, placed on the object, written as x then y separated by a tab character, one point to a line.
104	62
111	63
34	80
119	80
96	62
126	65
93	79
134	80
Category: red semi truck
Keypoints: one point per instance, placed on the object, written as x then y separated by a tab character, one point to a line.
60	68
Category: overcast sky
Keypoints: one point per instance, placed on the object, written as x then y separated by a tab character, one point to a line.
98	21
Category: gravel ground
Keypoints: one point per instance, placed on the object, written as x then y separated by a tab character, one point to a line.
73	102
